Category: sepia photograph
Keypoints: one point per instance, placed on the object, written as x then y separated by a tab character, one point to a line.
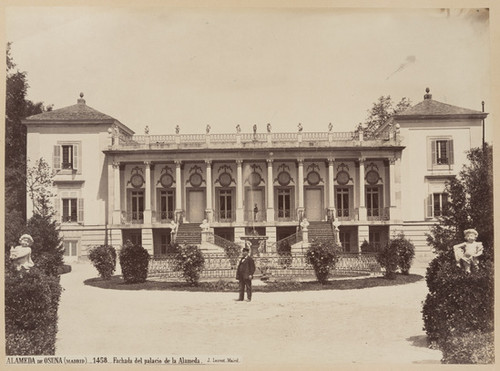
264	186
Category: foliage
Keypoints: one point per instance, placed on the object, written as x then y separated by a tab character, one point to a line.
322	255
31	304
231	249
103	257
39	181
458	302
381	112
16	109
472	347
47	250
190	261
388	259
367	247
284	250
134	261
405	251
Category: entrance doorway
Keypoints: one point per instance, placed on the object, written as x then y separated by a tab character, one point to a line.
196	206
314	204
255	208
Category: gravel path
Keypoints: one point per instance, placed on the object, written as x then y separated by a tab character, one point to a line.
376	325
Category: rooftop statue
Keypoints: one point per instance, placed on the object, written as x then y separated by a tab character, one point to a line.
238	128
21	254
177	129
268	127
299	126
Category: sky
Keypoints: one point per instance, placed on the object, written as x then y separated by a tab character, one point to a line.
164	67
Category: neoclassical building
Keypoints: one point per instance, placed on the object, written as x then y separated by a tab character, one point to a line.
112	184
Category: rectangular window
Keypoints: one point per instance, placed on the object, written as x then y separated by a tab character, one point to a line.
70	248
70	210
440	152
167	206
342	198
225	205
345	240
373	201
138	206
439	201
374	238
284	203
67	157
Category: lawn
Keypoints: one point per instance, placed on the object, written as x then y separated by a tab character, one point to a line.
117	283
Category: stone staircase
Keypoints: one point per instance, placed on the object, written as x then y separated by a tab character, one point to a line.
320	231
189	234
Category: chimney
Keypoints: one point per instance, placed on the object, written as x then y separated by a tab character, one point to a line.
427	96
81	100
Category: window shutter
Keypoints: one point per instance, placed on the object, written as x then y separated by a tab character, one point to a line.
57	209
428	206
450	152
80	210
56	158
433	154
77	158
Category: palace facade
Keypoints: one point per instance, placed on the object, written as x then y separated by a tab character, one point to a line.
112	184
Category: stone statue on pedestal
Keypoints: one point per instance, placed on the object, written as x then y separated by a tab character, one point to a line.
21	254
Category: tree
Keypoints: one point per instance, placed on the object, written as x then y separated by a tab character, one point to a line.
381	112
39	183
460	304
17	107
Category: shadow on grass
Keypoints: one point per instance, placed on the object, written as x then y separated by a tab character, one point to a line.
117	283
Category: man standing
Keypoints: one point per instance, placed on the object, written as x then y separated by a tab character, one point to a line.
244	274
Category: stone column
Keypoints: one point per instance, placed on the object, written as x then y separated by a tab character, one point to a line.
178	190
209	209
147	194
117	211
300	186
361	188
270	191
331	193
239	191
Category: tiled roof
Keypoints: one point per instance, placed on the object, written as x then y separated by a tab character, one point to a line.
430	107
76	112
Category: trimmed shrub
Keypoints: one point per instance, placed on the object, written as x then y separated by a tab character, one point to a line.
388	259
190	261
134	260
472	347
367	247
103	257
323	256
47	250
31	303
406	252
458	302
232	251
284	250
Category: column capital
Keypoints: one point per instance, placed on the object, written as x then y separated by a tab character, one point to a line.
178	162
300	161
208	162
148	163
392	160
330	161
362	160
269	161
116	164
239	161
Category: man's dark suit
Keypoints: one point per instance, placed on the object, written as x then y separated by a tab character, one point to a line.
246	268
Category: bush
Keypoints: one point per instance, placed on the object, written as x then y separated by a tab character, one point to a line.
406	252
323	256
471	347
189	260
367	247
284	250
457	302
103	257
388	259
134	260
31	303
232	251
47	250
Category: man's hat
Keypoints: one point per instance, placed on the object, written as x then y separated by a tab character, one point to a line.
246	249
